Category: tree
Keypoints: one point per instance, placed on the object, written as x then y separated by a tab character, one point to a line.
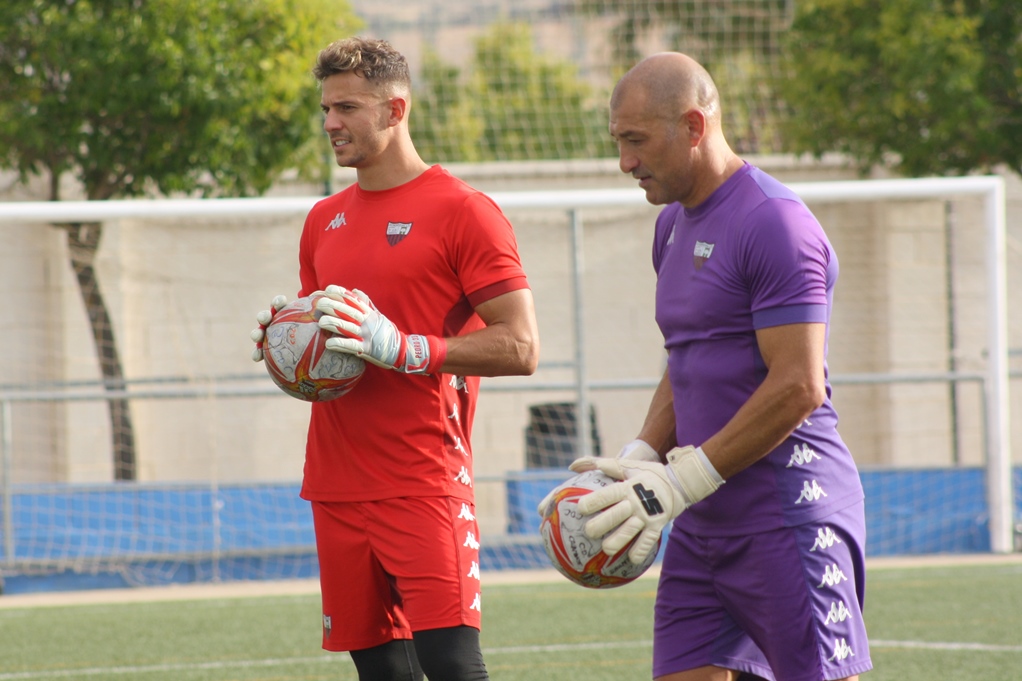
738	41
443	122
514	104
136	97
933	87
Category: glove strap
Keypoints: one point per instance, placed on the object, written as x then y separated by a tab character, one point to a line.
423	354
692	473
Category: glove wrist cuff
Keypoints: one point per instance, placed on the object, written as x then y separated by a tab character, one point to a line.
423	354
692	473
437	354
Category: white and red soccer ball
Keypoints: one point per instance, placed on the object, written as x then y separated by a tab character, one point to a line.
295	354
575	555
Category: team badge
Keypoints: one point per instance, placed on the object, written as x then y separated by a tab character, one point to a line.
701	254
396	231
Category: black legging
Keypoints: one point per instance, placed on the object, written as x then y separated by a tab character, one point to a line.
451	654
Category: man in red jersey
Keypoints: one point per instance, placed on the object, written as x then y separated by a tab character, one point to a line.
426	285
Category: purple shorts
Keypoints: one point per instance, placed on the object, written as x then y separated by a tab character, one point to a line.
784	604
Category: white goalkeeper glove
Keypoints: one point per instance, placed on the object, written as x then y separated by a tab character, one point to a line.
263	318
649	497
636	450
364	331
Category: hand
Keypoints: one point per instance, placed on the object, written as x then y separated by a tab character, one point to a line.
639	450
636	450
649	497
364	331
264	318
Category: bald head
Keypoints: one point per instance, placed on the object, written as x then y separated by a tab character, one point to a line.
671	83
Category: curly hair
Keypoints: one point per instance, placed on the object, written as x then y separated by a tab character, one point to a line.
375	60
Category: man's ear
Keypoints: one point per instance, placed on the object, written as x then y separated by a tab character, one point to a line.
693	123
398	110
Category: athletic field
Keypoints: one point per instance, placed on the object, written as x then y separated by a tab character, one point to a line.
929	619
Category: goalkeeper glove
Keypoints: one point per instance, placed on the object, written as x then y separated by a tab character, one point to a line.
636	450
264	318
364	331
649	497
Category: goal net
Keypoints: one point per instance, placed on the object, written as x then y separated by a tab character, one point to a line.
919	357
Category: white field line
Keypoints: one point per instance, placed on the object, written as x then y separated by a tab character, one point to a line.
280	661
507	650
249	588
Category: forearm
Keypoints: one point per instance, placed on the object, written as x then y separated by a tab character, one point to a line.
497	350
659	428
770	415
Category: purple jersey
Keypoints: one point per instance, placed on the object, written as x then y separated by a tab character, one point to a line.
751	256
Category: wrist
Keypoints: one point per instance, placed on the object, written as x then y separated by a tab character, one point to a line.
423	354
692	473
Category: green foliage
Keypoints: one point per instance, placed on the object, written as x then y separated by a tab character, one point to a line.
514	105
133	96
736	40
932	85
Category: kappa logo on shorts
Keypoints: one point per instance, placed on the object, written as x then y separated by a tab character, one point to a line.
803	456
825	538
396	231
832	575
842	650
648	499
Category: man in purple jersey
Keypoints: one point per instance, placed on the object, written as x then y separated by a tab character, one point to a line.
764	568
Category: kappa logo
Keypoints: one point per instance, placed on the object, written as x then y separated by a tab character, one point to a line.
802	456
825	538
701	254
473	543
396	231
648	499
463	477
473	572
839	612
832	575
842	650
336	223
811	492
458	383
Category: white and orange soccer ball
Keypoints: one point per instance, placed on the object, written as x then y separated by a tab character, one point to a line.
295	354
575	555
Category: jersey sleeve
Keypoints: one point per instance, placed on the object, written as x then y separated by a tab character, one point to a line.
485	251
788	265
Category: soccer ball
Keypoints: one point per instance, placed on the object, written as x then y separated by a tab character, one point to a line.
575	555
296	357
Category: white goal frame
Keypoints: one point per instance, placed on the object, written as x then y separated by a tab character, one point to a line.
990	188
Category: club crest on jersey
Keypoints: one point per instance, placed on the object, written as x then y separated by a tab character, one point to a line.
701	254
396	231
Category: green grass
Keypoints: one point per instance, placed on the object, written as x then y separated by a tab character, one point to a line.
929	623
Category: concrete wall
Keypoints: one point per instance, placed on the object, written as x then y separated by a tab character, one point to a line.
183	295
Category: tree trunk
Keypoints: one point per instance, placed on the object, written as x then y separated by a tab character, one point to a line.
83	242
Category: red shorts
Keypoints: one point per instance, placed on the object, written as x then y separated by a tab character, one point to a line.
389	568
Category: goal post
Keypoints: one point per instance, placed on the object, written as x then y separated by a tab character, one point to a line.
579	245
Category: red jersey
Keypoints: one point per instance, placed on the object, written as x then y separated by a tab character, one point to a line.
425	253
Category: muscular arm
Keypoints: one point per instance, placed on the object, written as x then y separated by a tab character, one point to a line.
794	386
658	430
508	346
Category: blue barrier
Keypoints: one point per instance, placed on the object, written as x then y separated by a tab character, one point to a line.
97	536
